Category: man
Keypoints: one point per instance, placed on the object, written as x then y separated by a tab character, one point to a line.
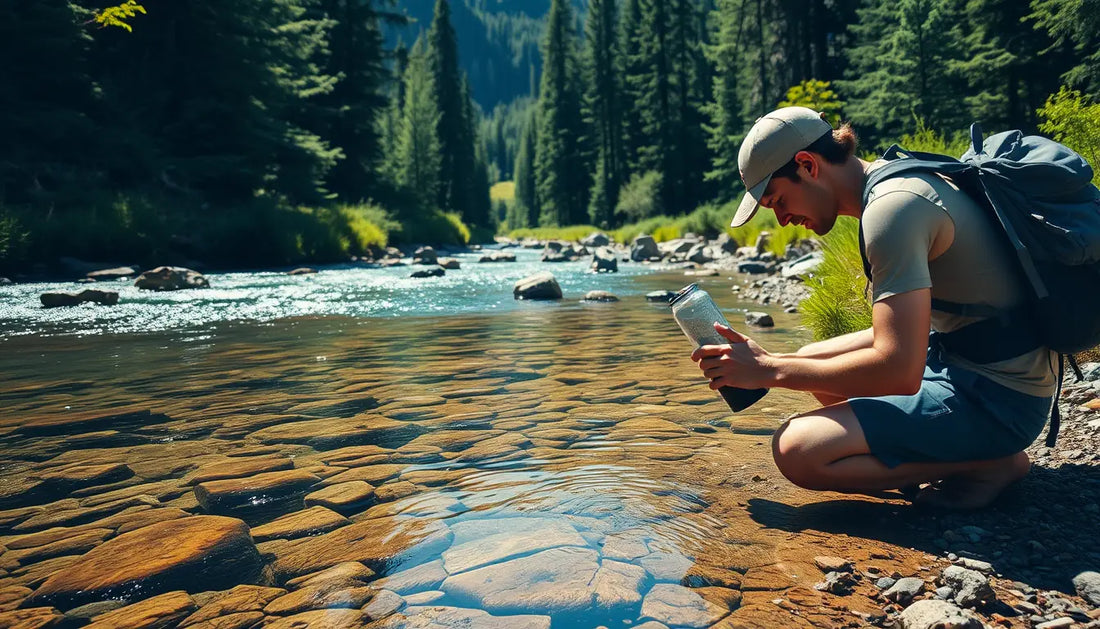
898	412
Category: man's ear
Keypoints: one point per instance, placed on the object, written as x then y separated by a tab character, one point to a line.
807	161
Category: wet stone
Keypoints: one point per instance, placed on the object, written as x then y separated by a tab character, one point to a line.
238	468
165	610
382	605
766	578
243	598
423	577
11	596
320	619
74	544
678	606
311	521
618	585
904	590
425	598
85	613
194	553
77	476
239	620
703	575
552	581
343	572
666	566
255	493
445	617
325	595
346	497
625	547
395	491
481	542
37	618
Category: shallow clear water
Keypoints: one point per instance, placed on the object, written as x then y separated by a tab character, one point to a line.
522	448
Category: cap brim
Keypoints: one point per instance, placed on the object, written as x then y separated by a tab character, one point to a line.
750	203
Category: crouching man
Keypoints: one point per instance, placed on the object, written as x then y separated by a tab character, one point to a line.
900	410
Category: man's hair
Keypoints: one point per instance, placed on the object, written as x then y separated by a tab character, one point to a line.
834	147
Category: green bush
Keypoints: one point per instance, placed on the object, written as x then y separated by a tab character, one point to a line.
569	233
433	227
838	303
640	198
365	226
1074	120
764	220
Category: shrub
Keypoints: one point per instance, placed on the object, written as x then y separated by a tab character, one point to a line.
366	225
433	227
570	232
1074	120
837	303
640	198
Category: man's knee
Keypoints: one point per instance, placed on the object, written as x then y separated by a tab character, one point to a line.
793	451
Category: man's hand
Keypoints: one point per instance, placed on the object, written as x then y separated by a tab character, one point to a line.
742	363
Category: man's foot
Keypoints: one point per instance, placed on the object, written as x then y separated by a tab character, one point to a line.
975	489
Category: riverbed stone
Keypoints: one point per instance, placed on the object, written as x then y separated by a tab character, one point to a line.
644	248
624	546
431	271
43	617
328	434
600	295
440	617
378	543
538	286
553	581
971	587
238	620
667	566
243	598
238	467
425	255
660	296
485	541
165	610
343	572
324	595
194	553
311	521
933	614
113	273
759	319
676	605
346	497
1087	585
171	278
384	603
243	494
904	590
618	585
90	295
320	619
604	260
428	575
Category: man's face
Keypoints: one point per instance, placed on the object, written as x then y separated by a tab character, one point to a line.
808	202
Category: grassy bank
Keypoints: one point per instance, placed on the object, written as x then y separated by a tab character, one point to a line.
708	220
148	230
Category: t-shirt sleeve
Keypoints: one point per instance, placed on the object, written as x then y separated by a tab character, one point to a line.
899	228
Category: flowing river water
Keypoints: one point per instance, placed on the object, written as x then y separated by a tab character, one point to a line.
427	446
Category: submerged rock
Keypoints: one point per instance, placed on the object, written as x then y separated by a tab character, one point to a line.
194	553
678	606
305	270
662	296
254	492
538	286
553	581
760	319
91	295
166	610
171	278
115	273
599	295
432	271
438	617
482	542
300	524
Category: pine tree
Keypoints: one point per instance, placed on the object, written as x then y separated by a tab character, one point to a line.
560	175
457	144
631	68
601	106
476	189
1074	24
526	206
899	67
418	149
656	105
726	128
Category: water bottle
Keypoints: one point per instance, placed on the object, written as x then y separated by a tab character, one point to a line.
695	312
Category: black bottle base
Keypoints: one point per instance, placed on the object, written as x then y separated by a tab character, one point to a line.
740	399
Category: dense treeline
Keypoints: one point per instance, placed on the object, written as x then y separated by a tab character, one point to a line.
249	132
643	111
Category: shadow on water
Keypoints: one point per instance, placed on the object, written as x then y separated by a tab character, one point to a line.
1041	531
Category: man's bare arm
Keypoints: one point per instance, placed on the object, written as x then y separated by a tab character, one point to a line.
838	345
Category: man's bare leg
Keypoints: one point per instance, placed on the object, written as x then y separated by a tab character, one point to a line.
826	450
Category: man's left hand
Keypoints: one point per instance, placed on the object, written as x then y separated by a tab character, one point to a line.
742	363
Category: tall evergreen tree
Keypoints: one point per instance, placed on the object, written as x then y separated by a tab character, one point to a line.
562	186
654	87
479	205
456	175
418	150
526	206
631	68
726	128
900	67
601	105
1074	24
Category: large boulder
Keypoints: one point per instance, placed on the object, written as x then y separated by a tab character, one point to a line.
644	248
425	255
55	300
113	273
498	256
803	266
699	254
171	278
194	554
762	240
596	239
431	271
726	243
538	286
604	261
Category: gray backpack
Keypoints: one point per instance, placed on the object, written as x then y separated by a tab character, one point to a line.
1040	195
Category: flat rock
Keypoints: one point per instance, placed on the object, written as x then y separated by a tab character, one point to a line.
90	295
320	619
324	595
243	598
704	575
676	605
538	286
311	521
379	543
933	614
766	578
327	434
343	572
193	553
165	610
904	590
346	497
481	542
666	566
112	273
553	581
624	546
78	476
1088	586
426	576
833	564
42	617
238	468
455	617
660	296
239	620
237	494
171	278
600	295
618	585
384	603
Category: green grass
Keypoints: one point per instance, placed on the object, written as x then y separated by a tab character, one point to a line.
503	191
837	303
569	232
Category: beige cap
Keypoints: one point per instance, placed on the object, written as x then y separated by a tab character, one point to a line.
772	142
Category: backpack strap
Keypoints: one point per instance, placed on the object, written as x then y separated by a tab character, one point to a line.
1055	414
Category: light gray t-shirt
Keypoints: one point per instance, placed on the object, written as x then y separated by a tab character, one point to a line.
909	219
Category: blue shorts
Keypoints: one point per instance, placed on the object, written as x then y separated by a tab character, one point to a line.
958	415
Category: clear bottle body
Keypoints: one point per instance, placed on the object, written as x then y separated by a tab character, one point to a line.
696	313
